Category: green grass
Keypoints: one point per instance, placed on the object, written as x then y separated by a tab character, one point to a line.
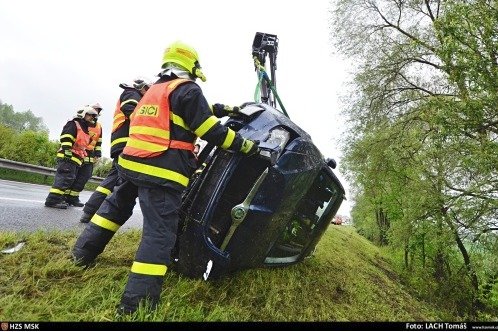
347	279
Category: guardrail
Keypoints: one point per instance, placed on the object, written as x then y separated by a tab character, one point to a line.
18	166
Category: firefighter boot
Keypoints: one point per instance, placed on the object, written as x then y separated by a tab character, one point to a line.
90	244
85	217
140	291
56	204
74	201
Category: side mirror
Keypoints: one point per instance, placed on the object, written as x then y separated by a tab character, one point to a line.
331	163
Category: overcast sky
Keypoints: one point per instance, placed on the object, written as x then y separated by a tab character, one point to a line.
58	55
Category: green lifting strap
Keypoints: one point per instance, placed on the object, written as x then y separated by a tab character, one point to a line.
257	91
263	75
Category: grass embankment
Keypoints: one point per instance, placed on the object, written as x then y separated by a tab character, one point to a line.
347	279
29	177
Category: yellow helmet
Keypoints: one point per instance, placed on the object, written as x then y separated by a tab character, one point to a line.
185	56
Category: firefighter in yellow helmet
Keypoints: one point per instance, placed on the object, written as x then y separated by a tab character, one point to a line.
156	165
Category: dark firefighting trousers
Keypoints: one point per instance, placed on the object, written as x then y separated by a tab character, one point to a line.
64	179
160	208
103	190
82	176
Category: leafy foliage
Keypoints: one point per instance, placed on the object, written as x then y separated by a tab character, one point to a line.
422	148
32	148
20	121
102	167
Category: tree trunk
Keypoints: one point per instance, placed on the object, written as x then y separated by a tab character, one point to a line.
406	257
423	251
466	257
383	225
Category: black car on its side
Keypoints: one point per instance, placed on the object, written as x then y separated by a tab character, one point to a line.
270	209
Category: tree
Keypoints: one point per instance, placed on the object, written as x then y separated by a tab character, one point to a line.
20	121
422	149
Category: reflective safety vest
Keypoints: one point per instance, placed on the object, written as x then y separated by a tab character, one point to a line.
150	123
119	118
120	128
95	134
81	142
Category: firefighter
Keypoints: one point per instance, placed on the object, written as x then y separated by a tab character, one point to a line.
74	139
156	165
94	152
125	105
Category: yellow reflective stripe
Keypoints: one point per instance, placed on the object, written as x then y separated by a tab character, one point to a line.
75	159
147	146
206	125
229	139
103	190
98	148
161	133
154	171
127	102
149	269
119	140
117	123
118	116
105	223
67	143
73	193
176	119
67	135
57	191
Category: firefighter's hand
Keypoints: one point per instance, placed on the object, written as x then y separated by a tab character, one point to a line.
68	154
221	110
249	147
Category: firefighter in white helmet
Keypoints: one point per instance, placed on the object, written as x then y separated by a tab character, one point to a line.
93	153
74	139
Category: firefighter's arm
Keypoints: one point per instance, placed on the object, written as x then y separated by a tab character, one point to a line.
207	126
129	100
67	138
98	146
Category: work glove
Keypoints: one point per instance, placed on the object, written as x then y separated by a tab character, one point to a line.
221	110
249	147
68	154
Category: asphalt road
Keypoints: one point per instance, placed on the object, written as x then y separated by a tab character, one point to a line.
22	209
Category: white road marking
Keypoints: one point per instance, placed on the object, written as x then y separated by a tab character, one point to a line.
21	200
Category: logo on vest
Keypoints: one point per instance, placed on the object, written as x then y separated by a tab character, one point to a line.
149	110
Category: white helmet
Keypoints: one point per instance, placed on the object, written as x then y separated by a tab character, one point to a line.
141	82
97	107
83	111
